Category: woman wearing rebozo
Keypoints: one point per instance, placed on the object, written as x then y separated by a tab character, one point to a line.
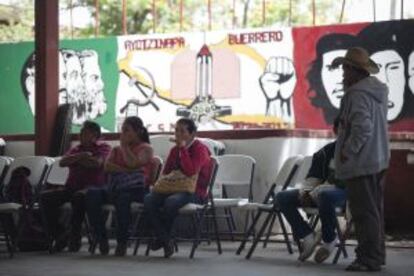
129	169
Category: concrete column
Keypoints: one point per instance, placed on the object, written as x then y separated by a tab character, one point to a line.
47	81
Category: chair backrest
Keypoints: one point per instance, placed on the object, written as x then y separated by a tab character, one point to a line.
38	166
4	166
236	170
287	172
57	175
161	145
303	169
215	147
214	165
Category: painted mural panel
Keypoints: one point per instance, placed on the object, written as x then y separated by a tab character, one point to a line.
239	79
222	80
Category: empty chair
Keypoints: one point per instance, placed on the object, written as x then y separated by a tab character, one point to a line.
283	180
4	166
234	170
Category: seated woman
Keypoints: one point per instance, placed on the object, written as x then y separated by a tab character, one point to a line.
128	166
192	158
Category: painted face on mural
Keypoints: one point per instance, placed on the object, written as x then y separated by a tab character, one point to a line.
29	83
74	83
332	77
411	72
92	79
63	93
80	83
391	72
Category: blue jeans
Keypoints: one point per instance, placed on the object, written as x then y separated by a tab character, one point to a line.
122	199
162	209
328	200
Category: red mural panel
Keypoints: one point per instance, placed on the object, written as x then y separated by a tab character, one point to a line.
305	42
319	87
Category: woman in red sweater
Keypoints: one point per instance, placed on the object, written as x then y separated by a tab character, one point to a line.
191	157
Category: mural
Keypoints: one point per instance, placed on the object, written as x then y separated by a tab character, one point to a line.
80	83
239	79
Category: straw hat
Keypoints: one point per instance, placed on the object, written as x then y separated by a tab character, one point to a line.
359	58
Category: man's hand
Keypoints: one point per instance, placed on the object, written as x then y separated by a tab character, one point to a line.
305	198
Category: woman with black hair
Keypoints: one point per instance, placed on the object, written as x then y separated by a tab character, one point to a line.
128	166
191	157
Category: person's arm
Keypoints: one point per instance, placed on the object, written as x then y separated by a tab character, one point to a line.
96	161
73	157
190	165
360	125
171	159
136	160
110	166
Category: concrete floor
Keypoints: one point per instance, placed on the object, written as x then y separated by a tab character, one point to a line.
273	260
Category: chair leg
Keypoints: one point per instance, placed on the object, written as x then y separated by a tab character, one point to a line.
136	230
8	239
285	234
227	213
342	239
216	230
269	230
259	235
249	232
313	221
198	223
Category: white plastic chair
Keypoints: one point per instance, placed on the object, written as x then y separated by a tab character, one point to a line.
283	180
234	170
37	165
162	145
57	175
216	147
4	166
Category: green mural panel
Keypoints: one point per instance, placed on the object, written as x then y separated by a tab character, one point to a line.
15	111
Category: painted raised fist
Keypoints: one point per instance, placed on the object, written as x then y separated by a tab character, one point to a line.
278	79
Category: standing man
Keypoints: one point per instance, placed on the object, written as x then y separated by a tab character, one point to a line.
85	162
362	154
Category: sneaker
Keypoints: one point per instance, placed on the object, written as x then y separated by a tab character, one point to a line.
308	246
324	251
121	249
168	249
104	247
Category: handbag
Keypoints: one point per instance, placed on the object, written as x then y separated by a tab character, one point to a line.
175	182
124	181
